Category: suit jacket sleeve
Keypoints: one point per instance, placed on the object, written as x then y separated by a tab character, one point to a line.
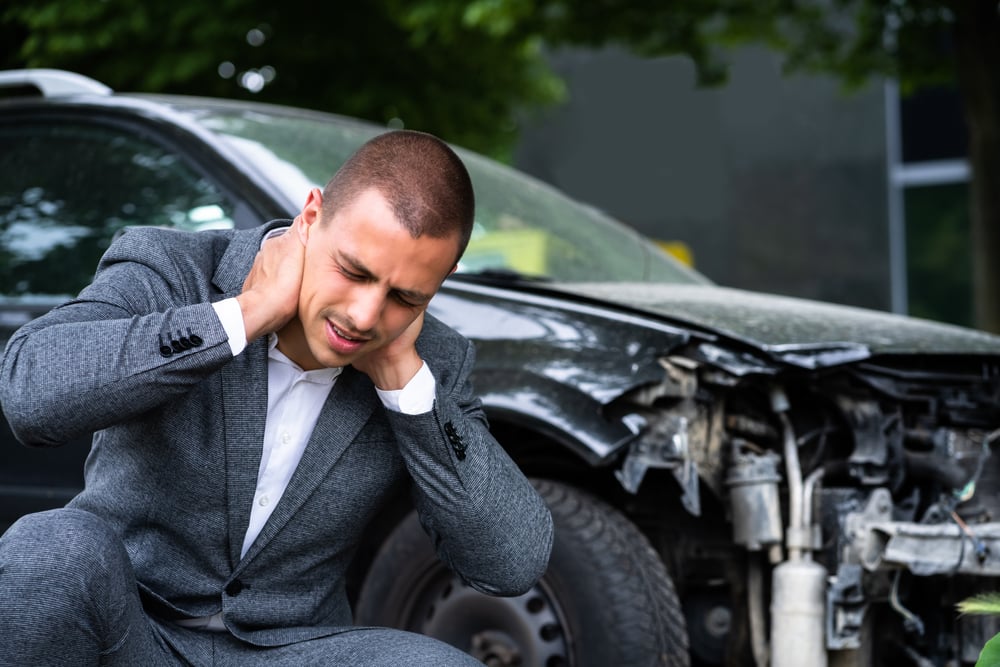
486	520
97	359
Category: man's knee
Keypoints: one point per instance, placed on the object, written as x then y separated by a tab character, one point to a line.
60	549
69	593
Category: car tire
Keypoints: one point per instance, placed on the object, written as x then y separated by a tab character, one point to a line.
606	598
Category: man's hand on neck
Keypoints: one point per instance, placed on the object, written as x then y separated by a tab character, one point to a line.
270	296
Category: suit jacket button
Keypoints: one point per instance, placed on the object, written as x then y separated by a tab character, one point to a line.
234	588
176	344
456	440
165	350
195	340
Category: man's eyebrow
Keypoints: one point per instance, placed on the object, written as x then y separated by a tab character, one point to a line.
356	266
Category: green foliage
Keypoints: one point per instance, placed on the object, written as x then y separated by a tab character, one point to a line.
990	655
469	70
464	69
852	39
984	603
459	71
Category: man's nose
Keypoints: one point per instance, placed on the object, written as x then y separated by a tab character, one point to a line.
366	307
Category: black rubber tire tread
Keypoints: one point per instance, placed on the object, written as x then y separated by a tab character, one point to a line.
629	602
619	603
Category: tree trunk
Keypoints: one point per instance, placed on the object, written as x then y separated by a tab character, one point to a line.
977	44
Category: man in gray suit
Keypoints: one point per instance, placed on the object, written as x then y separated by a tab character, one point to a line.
256	396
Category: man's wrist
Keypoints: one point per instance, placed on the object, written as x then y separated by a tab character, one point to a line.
416	397
253	324
231	316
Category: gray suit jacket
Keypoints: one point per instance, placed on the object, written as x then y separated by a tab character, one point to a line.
141	358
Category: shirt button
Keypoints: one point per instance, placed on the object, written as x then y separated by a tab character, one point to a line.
286	438
264	501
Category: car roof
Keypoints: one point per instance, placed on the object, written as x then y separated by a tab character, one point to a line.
54	87
50	83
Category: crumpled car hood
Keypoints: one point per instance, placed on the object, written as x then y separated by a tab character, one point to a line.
780	323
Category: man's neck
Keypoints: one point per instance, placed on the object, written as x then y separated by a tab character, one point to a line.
292	343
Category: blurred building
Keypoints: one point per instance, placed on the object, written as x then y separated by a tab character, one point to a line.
784	184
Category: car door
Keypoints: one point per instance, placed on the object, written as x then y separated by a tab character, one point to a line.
68	183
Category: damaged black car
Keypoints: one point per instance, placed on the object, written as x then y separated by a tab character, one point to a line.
736	478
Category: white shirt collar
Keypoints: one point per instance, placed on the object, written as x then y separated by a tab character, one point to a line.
319	376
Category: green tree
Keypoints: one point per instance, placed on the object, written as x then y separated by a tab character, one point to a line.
466	69
378	60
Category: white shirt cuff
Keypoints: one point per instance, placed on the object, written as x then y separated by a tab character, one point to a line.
416	398
231	316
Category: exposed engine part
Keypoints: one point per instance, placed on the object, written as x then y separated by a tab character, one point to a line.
664	446
878	543
798	605
753	497
912	621
869	491
928	550
709	617
798	585
808	501
665	439
846	607
758	616
875	436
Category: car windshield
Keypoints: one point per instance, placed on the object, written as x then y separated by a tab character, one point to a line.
523	227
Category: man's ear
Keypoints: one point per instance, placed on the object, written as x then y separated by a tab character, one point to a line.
310	215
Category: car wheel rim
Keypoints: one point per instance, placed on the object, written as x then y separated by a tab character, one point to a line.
498	631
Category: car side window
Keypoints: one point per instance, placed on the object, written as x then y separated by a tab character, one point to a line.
66	188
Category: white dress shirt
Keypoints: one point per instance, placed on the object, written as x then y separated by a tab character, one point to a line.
294	400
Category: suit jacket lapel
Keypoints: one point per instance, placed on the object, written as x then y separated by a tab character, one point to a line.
244	404
235	263
244	392
345	412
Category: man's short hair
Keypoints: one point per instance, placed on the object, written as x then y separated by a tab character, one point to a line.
423	180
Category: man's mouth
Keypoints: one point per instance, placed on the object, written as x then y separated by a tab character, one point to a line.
340	332
341	341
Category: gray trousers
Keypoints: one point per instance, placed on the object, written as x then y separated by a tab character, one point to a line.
68	596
